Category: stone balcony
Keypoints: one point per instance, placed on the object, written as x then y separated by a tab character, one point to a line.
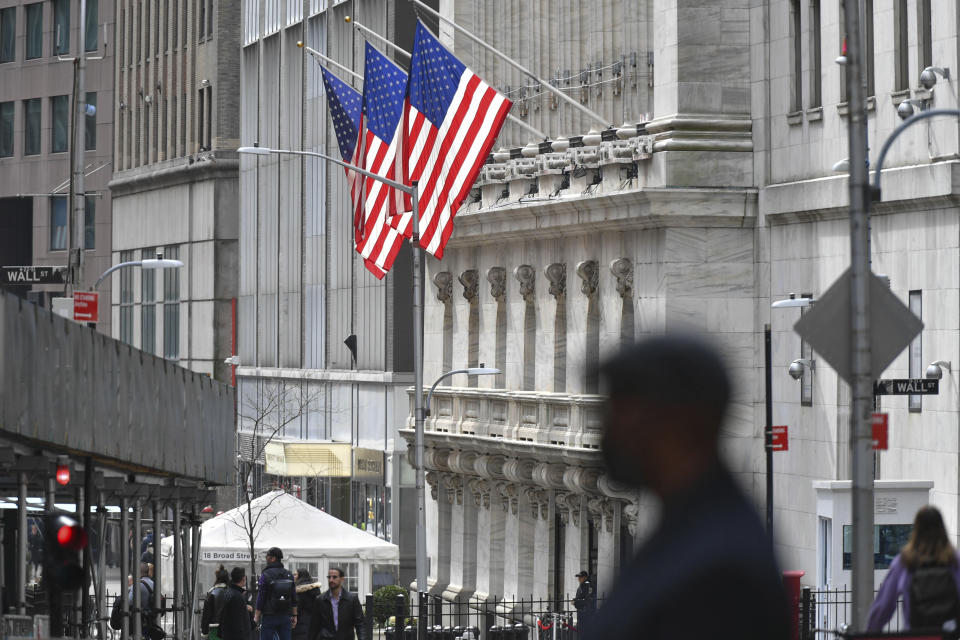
533	417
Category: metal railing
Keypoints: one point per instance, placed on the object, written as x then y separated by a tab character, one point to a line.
826	610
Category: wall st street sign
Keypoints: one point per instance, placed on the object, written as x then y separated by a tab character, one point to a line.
30	275
906	387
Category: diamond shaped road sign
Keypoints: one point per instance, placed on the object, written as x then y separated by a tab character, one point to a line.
827	326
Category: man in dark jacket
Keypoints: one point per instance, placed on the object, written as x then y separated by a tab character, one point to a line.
213	604
709	554
586	599
337	613
234	615
276	599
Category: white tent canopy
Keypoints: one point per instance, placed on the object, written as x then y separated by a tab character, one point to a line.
307	536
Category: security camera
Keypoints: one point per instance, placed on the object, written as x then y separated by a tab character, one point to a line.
928	79
796	370
934	372
904	110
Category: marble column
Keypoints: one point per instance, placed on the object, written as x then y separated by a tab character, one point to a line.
573	518
518	543
606	522
543	549
438	533
463	542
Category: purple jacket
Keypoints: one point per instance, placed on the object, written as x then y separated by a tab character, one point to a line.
896	584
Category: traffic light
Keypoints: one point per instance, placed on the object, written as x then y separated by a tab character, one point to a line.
64	541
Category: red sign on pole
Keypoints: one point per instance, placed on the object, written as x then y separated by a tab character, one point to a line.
778	438
881	431
85	306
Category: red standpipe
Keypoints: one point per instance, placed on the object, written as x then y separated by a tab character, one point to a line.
791	584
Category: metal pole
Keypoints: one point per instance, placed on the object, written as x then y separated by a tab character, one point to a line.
102	568
87	556
418	282
157	568
125	565
177	569
860	355
768	432
22	543
78	142
137	628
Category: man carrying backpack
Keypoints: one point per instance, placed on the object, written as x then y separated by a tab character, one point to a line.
276	610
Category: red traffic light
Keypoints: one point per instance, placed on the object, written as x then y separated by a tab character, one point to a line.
72	537
63	474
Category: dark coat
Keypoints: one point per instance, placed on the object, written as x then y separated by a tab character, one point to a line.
234	617
307	594
709	556
212	606
349	615
586	599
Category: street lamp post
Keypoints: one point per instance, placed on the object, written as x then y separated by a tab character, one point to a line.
159	263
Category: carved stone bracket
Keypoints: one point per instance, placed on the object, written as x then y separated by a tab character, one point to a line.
526	275
556	274
549	476
630	514
433	479
461	461
602	510
507	493
481	492
568	506
490	467
497	277
470	280
622	269
589	275
519	470
444	282
453	482
539	502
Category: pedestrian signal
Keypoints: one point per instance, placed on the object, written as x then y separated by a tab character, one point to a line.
64	541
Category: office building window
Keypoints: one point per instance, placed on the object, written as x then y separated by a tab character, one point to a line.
148	312
806	352
916	350
843	49
868	48
58	223
171	307
815	56
31	126
6	129
60	114
61	27
901	56
89	222
201	118
8	33
924	34
126	299
90	122
796	60
34	34
90	26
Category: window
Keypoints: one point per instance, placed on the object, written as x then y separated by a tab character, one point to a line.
6	129
888	539
843	49
148	317
90	26
60	113
171	307
34	30
58	223
204	113
796	86
806	352
924	34
126	299
868	47
351	573
916	350
815	59
31	126
8	33
89	222
901	67
90	122
61	27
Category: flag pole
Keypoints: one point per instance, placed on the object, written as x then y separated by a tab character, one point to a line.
418	282
373	34
329	61
519	67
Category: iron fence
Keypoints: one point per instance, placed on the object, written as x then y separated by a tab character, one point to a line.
824	611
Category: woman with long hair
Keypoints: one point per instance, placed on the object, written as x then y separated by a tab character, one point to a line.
926	573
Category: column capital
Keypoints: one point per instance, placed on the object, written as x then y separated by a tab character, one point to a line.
622	269
444	283
470	280
556	275
497	277
589	275
527	276
481	492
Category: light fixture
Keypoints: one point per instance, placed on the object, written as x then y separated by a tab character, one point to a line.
905	108
841	166
928	77
255	150
935	369
561	144
798	366
63	471
233	360
792	301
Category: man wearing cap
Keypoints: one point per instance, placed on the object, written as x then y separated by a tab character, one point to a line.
276	610
586	599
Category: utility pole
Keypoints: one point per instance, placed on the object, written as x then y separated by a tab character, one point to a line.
860	354
77	196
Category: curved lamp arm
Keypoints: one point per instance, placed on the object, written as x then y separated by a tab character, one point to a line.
472	371
121	265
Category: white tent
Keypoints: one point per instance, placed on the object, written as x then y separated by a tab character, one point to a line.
310	538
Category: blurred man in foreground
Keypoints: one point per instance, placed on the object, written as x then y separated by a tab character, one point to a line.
708	570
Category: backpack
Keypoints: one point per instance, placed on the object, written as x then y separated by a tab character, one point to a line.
933	597
281	595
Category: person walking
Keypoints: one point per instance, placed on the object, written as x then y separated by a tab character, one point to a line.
148	615
308	590
926	573
213	604
276	610
667	397
585	599
234	616
337	613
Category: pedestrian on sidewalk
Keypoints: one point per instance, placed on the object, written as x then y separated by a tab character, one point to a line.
308	590
585	600
234	618
337	613
708	569
276	610
213	604
926	574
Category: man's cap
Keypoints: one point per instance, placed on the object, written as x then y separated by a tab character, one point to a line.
583	574
275	552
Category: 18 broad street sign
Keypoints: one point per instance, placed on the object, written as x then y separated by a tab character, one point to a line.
827	326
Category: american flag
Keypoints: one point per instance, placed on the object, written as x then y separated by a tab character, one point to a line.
453	118
384	84
345	104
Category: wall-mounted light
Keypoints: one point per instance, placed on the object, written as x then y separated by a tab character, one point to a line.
935	369
792	301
